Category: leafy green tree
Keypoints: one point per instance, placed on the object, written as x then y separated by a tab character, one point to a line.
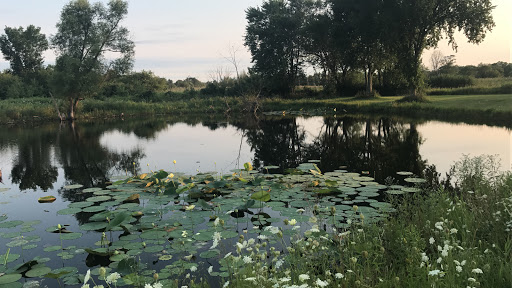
363	19
85	34
418	25
275	37
23	48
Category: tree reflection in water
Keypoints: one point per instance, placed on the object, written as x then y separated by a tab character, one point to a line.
380	146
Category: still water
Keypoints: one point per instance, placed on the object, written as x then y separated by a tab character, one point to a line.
44	157
38	160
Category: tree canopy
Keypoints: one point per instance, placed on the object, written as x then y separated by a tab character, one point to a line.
89	43
23	48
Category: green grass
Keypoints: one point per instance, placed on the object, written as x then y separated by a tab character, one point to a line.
487	109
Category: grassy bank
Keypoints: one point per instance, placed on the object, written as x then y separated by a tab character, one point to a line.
490	109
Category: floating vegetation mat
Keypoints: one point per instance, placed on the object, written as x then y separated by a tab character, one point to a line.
170	225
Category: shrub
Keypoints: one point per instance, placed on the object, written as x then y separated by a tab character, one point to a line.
450	81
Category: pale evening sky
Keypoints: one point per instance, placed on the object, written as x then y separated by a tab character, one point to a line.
176	39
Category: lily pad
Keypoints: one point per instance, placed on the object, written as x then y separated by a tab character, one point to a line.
74	186
9	278
415	180
38	271
69	211
70	236
10	224
404	173
46	199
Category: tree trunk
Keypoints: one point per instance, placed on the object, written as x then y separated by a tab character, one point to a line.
73	103
369	81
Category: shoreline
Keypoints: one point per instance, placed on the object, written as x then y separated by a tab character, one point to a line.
493	110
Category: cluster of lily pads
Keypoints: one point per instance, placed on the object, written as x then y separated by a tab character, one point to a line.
157	227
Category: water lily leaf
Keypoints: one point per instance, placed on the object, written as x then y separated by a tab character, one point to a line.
74	186
98	198
38	271
52	248
94	189
415	180
204	204
70	236
165	257
93	209
210	254
411	189
17	243
92	226
11	257
9	278
261	196
80	204
69	211
46	199
395	192
3	217
404	173
153	234
10	224
119	218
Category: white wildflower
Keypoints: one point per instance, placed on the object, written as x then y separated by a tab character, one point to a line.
321	283
279	263
463	263
285	279
247	260
210	270
338	275
453	231
112	278
470	279
458	268
216	222
432	240
157	285
193	269
303	277
225	284
434	272
292	222
477	271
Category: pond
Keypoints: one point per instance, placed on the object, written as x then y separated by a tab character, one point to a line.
359	154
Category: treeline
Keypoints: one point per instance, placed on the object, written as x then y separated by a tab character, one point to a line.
378	43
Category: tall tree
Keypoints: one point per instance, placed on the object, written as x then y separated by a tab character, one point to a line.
418	25
90	42
274	35
23	48
367	25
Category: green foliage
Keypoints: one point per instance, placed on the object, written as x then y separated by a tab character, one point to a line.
274	35
23	49
421	24
85	33
449	81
